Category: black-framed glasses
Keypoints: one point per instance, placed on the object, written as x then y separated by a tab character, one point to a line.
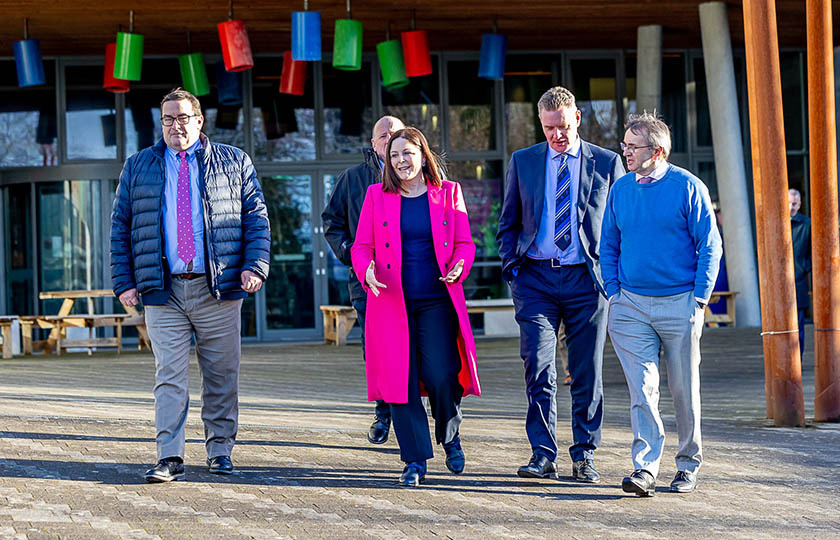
632	147
182	119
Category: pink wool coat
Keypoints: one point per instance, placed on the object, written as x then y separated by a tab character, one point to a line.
386	322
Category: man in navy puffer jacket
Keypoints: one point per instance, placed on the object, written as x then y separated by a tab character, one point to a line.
190	236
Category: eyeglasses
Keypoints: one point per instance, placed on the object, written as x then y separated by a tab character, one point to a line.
632	147
183	119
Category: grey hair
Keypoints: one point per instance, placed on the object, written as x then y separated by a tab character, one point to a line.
654	130
795	191
555	99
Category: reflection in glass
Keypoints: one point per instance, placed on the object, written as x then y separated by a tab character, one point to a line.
417	104
527	77
70	239
284	125
470	109
593	84
673	109
142	119
338	275
290	301
481	182
19	272
348	114
91	115
27	119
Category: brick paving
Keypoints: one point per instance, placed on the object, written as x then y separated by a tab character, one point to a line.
76	434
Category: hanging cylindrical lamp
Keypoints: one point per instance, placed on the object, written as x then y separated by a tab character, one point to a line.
109	82
229	85
306	34
193	72
293	78
236	48
129	55
415	44
391	61
347	50
28	60
493	50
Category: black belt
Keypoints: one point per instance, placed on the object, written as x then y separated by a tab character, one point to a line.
551	263
187	276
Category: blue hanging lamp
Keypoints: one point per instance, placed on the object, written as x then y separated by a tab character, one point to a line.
306	34
493	50
229	85
28	60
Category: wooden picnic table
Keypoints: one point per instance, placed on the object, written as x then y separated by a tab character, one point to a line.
49	322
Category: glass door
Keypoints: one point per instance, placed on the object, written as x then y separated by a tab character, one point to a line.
593	80
19	260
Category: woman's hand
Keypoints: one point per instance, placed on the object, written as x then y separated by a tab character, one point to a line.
454	273
370	279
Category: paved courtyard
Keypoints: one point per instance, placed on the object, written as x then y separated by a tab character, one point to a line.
76	434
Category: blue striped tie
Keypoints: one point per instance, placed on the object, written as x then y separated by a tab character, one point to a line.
562	205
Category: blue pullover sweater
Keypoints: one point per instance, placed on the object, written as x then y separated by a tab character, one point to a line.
660	239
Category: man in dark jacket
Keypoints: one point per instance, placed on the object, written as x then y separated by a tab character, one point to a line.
190	236
341	218
800	229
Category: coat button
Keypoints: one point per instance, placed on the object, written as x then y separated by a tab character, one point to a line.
445	244
388	266
444	222
387	244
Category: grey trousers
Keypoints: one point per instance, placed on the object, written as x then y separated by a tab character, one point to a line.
638	326
216	324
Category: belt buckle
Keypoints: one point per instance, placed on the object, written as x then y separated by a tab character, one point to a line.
553	265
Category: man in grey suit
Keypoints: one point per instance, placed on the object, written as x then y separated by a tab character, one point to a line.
660	251
549	234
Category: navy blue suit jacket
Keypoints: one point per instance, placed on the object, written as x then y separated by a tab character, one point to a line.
525	200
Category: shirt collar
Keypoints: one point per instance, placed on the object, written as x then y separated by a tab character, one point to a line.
572	152
657	173
190	151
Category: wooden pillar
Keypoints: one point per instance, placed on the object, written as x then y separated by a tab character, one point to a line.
824	223
779	323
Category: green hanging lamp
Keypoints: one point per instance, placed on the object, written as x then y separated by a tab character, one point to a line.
129	59
347	49
193	71
391	61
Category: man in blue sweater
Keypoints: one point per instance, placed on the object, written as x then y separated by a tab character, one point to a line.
660	251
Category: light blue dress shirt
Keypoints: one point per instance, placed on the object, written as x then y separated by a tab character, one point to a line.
544	246
170	212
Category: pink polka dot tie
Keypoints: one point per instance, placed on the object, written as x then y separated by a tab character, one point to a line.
186	241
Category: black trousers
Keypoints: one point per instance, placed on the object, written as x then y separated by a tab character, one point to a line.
433	359
383	411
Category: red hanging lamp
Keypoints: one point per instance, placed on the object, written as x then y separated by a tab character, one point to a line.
109	82
415	44
293	77
236	48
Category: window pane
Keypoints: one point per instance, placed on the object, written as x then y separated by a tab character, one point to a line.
706	172
593	84
791	72
348	114
19	271
481	182
704	121
417	104
290	301
338	275
91	115
27	119
284	125
142	119
527	77
470	109
673	107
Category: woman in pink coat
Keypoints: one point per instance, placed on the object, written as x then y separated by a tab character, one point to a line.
414	249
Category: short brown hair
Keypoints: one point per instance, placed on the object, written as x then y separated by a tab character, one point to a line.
431	169
178	94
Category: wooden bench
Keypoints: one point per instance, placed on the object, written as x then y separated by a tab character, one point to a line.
495	304
338	321
728	317
61	323
6	332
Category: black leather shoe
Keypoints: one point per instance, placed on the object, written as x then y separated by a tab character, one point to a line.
455	459
166	470
413	475
584	471
378	432
639	482
684	482
220	465
538	467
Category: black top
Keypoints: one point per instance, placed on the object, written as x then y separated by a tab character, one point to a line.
420	271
